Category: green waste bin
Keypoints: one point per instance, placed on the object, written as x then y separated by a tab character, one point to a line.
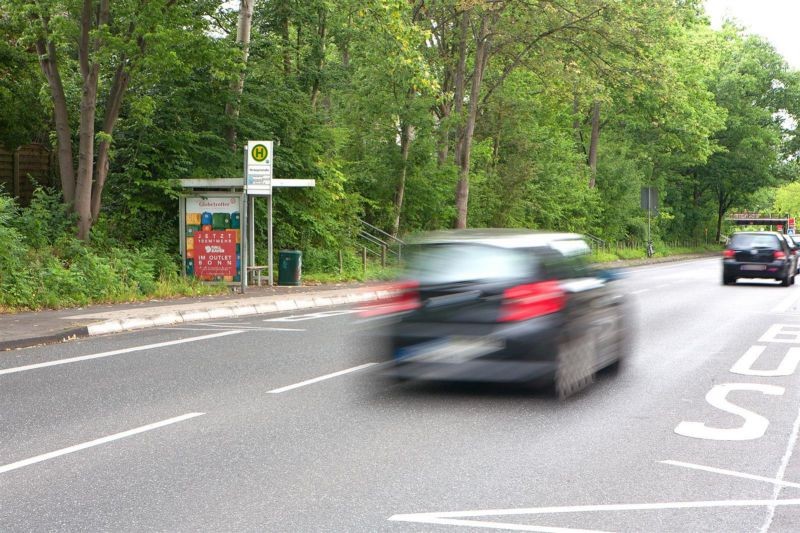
290	264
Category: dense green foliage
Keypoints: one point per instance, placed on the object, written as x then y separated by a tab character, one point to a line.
577	105
45	265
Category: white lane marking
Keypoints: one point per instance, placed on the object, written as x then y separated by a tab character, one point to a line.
321	378
493	525
744	365
781	471
733	473
782	333
640	291
785	304
312	316
96	442
663	285
446	518
754	425
115	352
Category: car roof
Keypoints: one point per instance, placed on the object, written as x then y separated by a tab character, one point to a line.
500	237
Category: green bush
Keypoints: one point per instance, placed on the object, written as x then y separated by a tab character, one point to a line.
45	266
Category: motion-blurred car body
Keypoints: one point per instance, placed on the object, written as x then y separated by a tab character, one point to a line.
758	254
503	306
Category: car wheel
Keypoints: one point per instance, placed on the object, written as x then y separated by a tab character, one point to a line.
786	281
728	280
575	365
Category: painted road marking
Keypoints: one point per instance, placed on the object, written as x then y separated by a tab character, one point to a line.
787	456
457	518
116	352
754	425
785	304
321	378
312	316
774	481
640	291
245	328
744	365
96	442
782	333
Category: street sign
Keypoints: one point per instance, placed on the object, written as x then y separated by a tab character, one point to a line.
649	198
790	231
258	168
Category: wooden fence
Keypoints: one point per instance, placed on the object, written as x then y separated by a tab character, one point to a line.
21	170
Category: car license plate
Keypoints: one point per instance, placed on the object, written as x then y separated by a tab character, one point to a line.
754	267
450	349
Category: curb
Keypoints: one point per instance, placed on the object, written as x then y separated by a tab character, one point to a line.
53	338
227	311
171	318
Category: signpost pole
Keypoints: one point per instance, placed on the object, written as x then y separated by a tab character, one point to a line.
244	246
251	229
269	239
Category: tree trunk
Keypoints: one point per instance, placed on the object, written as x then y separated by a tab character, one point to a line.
320	59
113	106
593	143
481	58
460	82
243	40
406	134
49	65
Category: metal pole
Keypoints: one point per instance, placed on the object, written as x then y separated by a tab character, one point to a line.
244	239
269	238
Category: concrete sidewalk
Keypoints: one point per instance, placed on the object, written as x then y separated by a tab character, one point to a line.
44	327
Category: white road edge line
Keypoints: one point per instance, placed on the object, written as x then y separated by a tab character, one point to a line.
96	442
613	507
781	472
496	525
321	378
114	352
733	473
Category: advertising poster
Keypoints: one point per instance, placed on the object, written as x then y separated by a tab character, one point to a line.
213	238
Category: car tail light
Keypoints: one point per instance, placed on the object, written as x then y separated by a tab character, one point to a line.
400	297
728	254
529	301
779	255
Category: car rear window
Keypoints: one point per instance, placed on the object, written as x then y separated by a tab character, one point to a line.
744	240
450	263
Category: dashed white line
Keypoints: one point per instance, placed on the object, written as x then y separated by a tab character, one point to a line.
640	291
781	472
777	482
96	442
321	378
115	352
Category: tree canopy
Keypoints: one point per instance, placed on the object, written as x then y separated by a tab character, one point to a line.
410	114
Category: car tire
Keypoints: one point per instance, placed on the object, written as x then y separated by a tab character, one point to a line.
786	281
728	280
576	362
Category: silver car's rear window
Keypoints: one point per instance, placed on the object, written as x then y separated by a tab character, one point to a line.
450	263
743	240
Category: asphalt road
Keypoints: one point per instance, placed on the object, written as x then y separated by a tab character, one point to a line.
275	424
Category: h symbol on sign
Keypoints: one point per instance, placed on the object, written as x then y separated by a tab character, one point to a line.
260	152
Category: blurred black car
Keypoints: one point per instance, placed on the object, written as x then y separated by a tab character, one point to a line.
503	306
759	254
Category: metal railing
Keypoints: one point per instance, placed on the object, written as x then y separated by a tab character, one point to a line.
378	243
